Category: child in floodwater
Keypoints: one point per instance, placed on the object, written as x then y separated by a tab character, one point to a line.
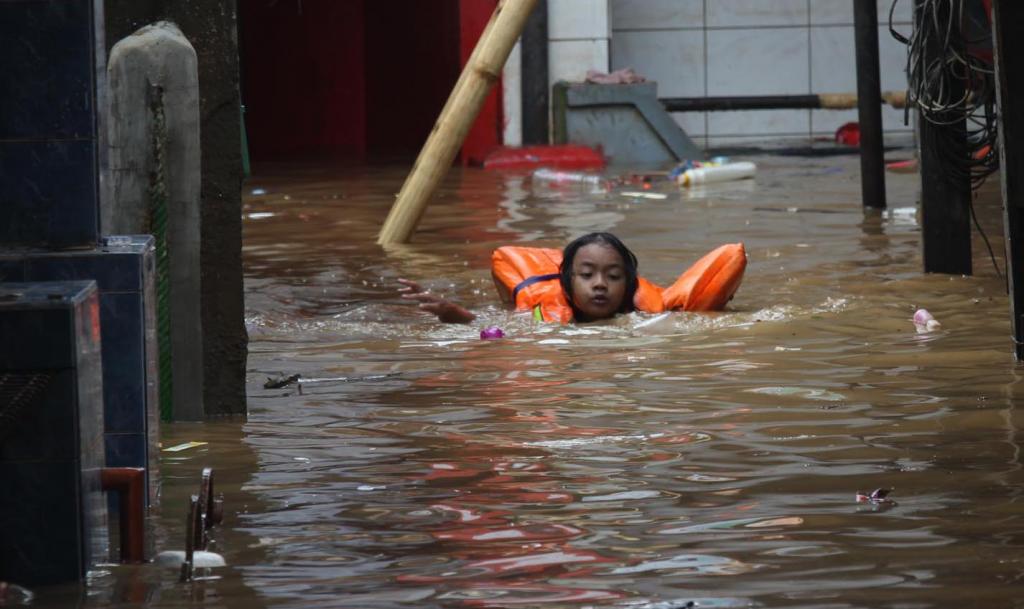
598	276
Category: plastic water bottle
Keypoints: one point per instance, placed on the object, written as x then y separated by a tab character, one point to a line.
717	173
554	178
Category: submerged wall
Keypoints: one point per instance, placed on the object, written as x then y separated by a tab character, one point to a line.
212	29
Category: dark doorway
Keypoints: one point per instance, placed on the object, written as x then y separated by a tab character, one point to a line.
354	79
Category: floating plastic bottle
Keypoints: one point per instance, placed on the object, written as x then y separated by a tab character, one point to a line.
708	174
555	178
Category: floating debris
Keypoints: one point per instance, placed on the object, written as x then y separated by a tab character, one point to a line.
879	496
281	381
201	559
924	322
491	333
13	594
187	445
297	380
349	379
708	173
644	195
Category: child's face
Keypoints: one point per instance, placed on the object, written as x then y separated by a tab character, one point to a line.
598	281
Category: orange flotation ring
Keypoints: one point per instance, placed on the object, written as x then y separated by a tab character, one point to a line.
527	278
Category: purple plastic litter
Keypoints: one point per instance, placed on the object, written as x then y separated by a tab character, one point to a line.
491	333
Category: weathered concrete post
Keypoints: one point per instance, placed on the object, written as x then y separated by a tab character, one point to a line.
153	186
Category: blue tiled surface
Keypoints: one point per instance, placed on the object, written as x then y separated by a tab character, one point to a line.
89	377
95	533
116	268
46	72
124	374
36	321
123	267
117	265
52	521
48	168
48	429
53	517
42	541
48	192
53	327
12	269
126	450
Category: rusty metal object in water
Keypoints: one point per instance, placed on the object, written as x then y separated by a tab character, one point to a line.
205	511
130	484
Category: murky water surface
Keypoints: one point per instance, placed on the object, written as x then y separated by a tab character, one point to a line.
645	462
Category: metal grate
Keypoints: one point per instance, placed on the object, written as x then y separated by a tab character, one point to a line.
18	390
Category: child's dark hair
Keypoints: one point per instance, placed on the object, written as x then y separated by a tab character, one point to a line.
629	268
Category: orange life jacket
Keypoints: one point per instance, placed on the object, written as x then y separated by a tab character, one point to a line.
527	278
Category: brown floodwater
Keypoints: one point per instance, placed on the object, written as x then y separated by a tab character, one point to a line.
639	463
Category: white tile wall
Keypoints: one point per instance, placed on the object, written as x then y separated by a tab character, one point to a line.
578	19
680	75
840	12
512	98
578	38
834	70
570	59
755	47
756	13
680	71
758	62
759	124
657	14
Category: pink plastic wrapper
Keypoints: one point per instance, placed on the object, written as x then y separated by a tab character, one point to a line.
924	322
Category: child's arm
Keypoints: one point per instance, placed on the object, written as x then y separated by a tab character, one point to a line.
447	312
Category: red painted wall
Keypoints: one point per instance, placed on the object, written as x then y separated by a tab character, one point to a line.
302	78
359	79
485	135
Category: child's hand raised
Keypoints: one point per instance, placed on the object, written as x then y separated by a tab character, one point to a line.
447	312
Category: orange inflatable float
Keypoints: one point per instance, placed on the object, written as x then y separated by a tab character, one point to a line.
527	278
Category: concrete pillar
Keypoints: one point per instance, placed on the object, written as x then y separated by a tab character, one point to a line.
211	27
153	186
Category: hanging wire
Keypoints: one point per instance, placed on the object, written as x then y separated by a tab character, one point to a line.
953	88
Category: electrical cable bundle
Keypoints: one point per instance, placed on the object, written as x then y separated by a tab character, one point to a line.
951	86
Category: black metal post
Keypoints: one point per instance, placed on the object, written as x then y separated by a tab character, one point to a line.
534	80
745	102
1008	30
869	104
945	188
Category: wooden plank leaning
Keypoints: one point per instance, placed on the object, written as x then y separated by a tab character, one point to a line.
482	70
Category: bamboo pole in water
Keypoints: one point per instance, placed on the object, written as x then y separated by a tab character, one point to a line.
482	70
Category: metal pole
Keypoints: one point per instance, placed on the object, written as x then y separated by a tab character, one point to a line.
945	189
833	101
535	76
1007	23
869	104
